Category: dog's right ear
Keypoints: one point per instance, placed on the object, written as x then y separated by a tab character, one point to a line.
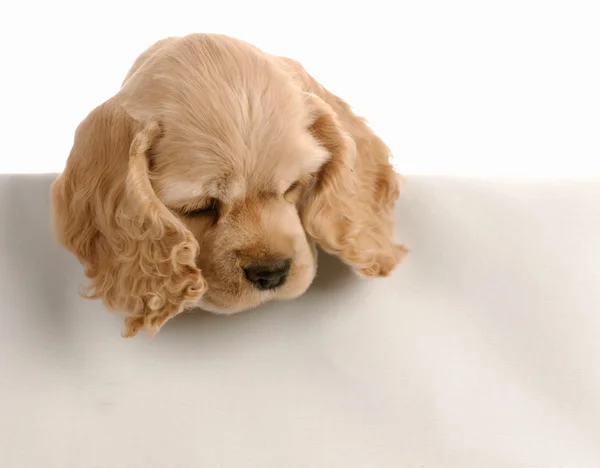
139	257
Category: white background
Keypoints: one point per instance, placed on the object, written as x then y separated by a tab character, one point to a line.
481	351
485	88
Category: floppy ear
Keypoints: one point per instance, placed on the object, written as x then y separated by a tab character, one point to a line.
349	217
139	257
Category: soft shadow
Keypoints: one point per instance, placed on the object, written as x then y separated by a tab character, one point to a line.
41	280
37	274
333	278
332	274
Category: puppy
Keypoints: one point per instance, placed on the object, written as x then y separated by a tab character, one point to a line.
209	179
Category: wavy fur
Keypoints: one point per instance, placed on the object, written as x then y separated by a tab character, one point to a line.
206	119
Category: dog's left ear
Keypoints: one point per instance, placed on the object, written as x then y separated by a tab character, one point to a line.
344	216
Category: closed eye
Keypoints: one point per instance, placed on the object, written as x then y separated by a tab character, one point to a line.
295	190
292	187
209	207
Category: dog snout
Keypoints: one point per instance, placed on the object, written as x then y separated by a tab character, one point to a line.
266	276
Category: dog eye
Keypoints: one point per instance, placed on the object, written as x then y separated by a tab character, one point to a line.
292	187
294	191
210	208
292	194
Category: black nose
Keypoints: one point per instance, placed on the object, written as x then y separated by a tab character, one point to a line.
268	276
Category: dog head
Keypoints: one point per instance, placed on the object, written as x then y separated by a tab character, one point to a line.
207	181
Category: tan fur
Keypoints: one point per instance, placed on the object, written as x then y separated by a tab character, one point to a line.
210	121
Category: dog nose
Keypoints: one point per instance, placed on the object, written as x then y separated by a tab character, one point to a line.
268	276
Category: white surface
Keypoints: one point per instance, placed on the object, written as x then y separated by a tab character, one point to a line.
482	351
501	88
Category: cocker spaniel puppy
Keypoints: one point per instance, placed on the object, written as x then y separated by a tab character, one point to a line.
209	179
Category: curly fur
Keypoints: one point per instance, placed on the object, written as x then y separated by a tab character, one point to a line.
207	117
139	257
